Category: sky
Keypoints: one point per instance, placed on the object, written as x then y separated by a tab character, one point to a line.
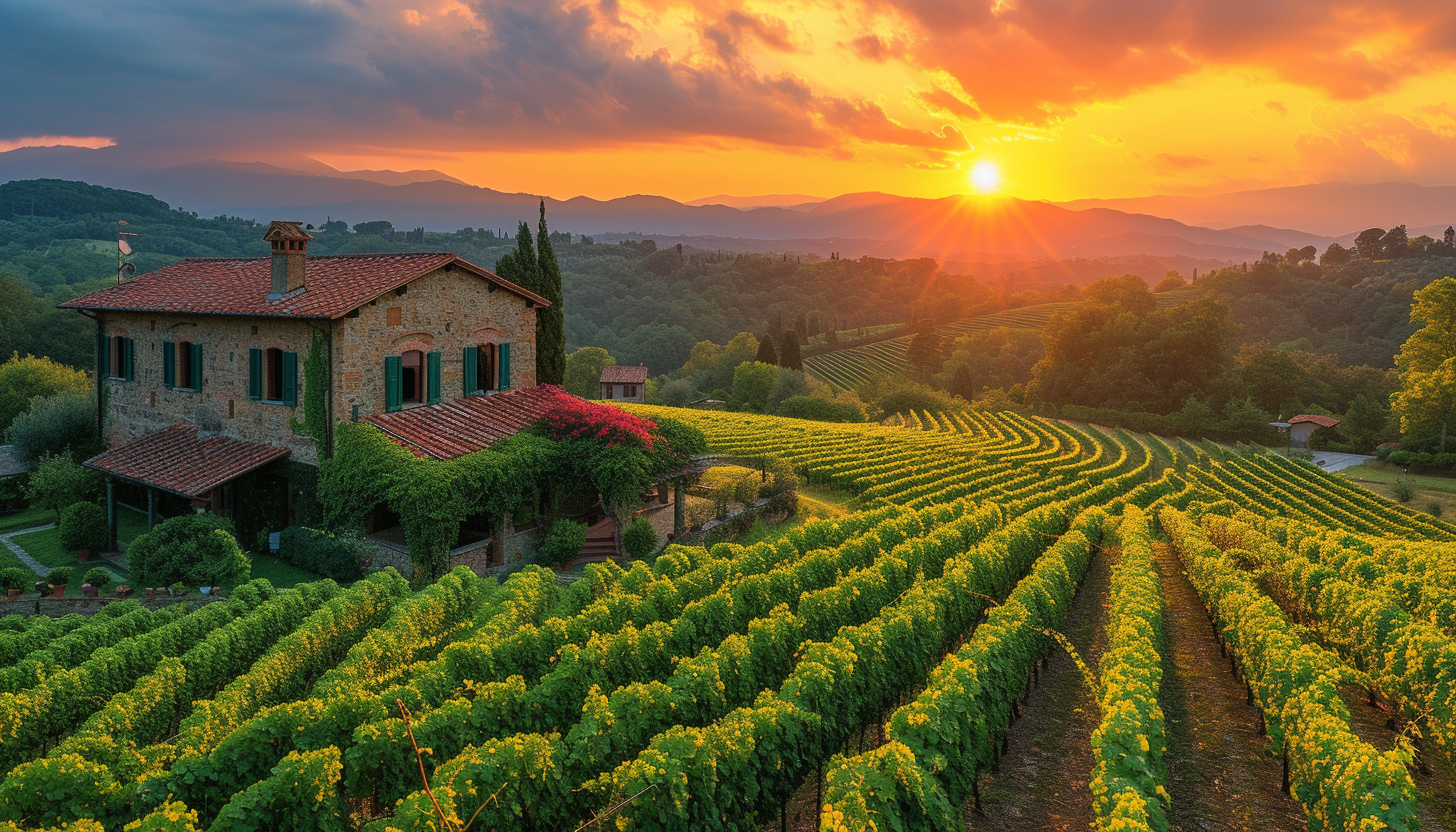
1058	99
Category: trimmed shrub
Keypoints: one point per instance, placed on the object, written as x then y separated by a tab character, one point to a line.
58	577
194	549
16	578
563	542
97	577
83	526
1434	509
340	556
746	490
1402	491
640	538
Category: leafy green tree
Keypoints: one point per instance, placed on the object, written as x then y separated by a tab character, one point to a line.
961	383
767	354
1244	419
1428	399
1173	280
584	371
752	383
551	321
1368	243
1335	255
58	481
377	228
1394	243
64	423
23	379
926	353
1364	424
1430	346
789	355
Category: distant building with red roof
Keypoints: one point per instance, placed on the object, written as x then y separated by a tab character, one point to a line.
205	365
1301	427
627	384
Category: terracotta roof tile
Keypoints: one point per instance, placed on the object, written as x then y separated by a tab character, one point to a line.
281	230
334	285
624	375
183	461
1322	421
455	428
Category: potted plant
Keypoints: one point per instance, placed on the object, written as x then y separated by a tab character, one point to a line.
94	581
83	529
563	543
58	578
15	580
177	590
124	591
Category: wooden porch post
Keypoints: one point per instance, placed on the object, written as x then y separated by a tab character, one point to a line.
679	513
112	544
151	508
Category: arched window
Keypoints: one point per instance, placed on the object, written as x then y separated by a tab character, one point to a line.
412	375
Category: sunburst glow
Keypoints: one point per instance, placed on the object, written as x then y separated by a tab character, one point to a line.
985	177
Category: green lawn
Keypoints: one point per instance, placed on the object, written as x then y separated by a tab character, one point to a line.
816	502
280	573
26	519
1427	489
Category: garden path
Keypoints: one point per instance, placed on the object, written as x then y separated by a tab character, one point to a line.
35	566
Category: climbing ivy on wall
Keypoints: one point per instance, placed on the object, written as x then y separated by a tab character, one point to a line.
433	498
316	392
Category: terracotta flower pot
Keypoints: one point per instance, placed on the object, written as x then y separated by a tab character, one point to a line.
83	555
90	591
151	592
124	591
57	590
12	594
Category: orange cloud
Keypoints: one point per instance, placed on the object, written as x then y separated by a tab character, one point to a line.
92	142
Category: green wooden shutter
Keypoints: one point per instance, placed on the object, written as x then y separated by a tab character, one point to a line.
290	378
103	356
471	370
505	366
393	384
432	366
169	364
195	382
255	374
128	360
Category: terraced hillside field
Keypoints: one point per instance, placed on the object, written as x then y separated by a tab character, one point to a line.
853	367
895	669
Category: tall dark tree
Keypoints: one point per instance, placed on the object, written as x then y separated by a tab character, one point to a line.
766	352
1395	243
1367	243
961	383
814	328
801	328
789	355
550	322
926	353
520	266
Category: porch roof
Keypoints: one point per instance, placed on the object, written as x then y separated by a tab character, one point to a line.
185	461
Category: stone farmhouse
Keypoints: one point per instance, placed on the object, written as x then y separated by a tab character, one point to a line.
204	369
627	384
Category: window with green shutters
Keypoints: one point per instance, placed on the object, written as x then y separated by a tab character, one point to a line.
169	364
288	385
128	360
255	374
194	366
393	387
505	366
432	376
470	370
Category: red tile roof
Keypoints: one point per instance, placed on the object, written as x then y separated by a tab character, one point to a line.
455	428
333	286
1322	421
283	230
624	375
183	461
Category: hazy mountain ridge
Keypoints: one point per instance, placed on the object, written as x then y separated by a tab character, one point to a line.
967	228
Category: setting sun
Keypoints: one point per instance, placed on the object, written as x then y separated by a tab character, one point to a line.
985	177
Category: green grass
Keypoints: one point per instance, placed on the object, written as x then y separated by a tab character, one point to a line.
816	502
280	573
1380	478
26	519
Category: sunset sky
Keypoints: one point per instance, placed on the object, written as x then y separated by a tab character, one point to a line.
1064	99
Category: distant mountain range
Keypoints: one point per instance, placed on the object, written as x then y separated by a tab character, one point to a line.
1336	209
962	228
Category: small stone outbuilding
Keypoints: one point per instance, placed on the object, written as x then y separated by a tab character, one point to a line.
624	384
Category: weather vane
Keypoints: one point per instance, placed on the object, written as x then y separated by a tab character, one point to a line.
123	251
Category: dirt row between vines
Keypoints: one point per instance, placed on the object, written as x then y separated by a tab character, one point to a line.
1222	774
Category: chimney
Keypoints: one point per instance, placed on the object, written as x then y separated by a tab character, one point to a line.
290	246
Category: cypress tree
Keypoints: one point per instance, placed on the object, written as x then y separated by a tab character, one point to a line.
961	384
789	351
550	322
520	266
766	352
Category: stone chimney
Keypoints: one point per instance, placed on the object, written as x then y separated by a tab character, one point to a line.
290	246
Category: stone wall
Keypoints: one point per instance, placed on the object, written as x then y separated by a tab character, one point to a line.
143	405
447	310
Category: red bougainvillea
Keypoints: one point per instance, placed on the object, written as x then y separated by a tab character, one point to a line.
570	417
